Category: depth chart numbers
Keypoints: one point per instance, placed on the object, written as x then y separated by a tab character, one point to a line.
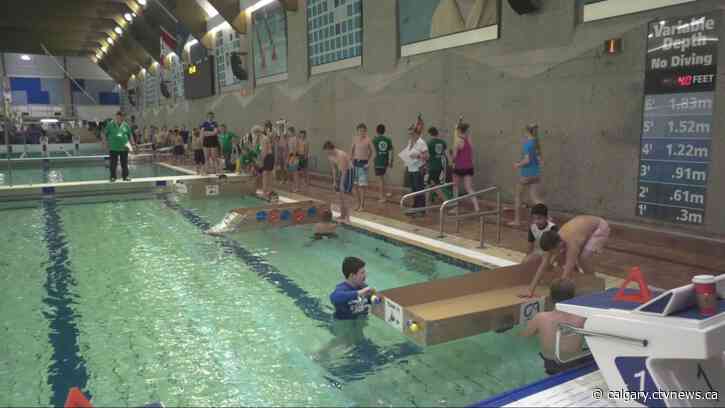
677	123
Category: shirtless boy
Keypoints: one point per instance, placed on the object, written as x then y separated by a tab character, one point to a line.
340	162
361	153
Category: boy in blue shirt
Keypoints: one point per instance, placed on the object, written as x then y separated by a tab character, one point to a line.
351	299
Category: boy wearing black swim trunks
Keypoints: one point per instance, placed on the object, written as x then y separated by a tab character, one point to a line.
383	158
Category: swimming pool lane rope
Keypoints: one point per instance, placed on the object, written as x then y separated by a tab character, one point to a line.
369	356
68	368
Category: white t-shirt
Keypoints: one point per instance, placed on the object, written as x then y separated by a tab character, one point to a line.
418	148
535	235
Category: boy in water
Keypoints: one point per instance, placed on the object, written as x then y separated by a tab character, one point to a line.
361	153
351	299
545	325
340	162
577	241
325	228
540	223
383	158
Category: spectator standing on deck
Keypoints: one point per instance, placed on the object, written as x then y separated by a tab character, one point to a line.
383	158
303	151
361	153
463	162
417	154
226	140
210	133
530	171
118	136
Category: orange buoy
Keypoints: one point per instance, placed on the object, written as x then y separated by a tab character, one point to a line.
76	399
299	215
273	216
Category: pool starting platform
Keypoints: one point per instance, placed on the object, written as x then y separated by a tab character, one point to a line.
661	353
443	310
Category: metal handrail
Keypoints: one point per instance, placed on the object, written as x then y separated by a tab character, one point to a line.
417	193
481	214
567	329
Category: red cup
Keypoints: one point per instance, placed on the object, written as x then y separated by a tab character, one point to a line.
706	294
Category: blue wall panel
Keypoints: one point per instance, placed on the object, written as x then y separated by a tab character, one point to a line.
33	90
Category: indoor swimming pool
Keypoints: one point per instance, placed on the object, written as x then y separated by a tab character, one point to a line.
62	171
127	298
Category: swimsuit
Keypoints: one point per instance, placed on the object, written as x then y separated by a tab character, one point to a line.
596	241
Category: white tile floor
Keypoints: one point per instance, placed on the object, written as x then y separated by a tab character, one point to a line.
573	393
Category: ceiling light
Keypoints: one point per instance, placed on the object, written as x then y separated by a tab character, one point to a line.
25	57
104	49
141	2
128	16
110	40
118	30
94	59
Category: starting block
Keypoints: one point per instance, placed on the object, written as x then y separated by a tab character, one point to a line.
443	310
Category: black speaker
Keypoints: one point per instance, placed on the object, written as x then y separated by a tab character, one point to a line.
165	89
235	59
525	6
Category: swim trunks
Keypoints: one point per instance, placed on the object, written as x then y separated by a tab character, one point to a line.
597	240
345	183
361	172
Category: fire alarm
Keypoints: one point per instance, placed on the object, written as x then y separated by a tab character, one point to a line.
613	46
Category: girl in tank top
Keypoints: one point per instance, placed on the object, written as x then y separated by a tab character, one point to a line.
463	162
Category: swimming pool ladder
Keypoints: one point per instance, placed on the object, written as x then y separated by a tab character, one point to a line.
458	217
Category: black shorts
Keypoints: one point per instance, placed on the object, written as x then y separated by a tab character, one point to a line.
211	142
463	172
178	150
199	157
434	177
268	163
380	171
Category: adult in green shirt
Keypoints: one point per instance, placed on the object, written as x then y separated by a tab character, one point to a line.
226	139
118	134
383	158
437	160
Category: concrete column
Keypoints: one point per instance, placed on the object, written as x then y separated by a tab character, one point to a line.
298	66
380	36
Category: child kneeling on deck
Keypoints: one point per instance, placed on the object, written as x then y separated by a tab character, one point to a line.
545	325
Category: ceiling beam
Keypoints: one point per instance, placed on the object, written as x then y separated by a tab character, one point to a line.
192	16
232	13
147	36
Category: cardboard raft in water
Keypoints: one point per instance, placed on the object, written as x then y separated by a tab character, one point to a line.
443	310
279	215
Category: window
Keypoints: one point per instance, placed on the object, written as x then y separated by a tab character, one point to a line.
601	9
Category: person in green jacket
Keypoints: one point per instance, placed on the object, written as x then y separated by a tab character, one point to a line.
437	164
226	139
118	136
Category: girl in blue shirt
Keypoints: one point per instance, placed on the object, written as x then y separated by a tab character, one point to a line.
530	172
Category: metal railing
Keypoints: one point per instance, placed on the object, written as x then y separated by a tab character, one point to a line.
421	192
481	214
567	329
458	217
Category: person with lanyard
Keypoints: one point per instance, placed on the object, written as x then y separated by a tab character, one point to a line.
210	132
383	158
118	136
530	172
417	152
226	140
437	162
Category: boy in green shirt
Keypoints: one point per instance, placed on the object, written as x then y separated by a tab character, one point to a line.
383	158
226	139
437	162
118	136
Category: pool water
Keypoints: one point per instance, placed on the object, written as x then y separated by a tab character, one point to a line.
130	300
69	172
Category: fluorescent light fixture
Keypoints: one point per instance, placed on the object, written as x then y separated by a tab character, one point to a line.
210	11
134	15
128	17
143	70
118	30
104	49
155	64
190	44
25	57
223	26
99	56
141	2
49	120
110	40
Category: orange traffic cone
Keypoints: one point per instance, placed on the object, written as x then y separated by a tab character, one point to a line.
76	399
644	295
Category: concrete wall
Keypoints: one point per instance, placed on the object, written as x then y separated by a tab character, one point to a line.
545	68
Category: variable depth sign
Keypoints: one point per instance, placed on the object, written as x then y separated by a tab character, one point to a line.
677	125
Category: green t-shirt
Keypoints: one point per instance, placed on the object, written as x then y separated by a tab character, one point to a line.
249	157
437	153
225	140
117	136
383	146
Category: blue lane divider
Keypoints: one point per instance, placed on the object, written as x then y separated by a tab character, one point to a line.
367	355
68	369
